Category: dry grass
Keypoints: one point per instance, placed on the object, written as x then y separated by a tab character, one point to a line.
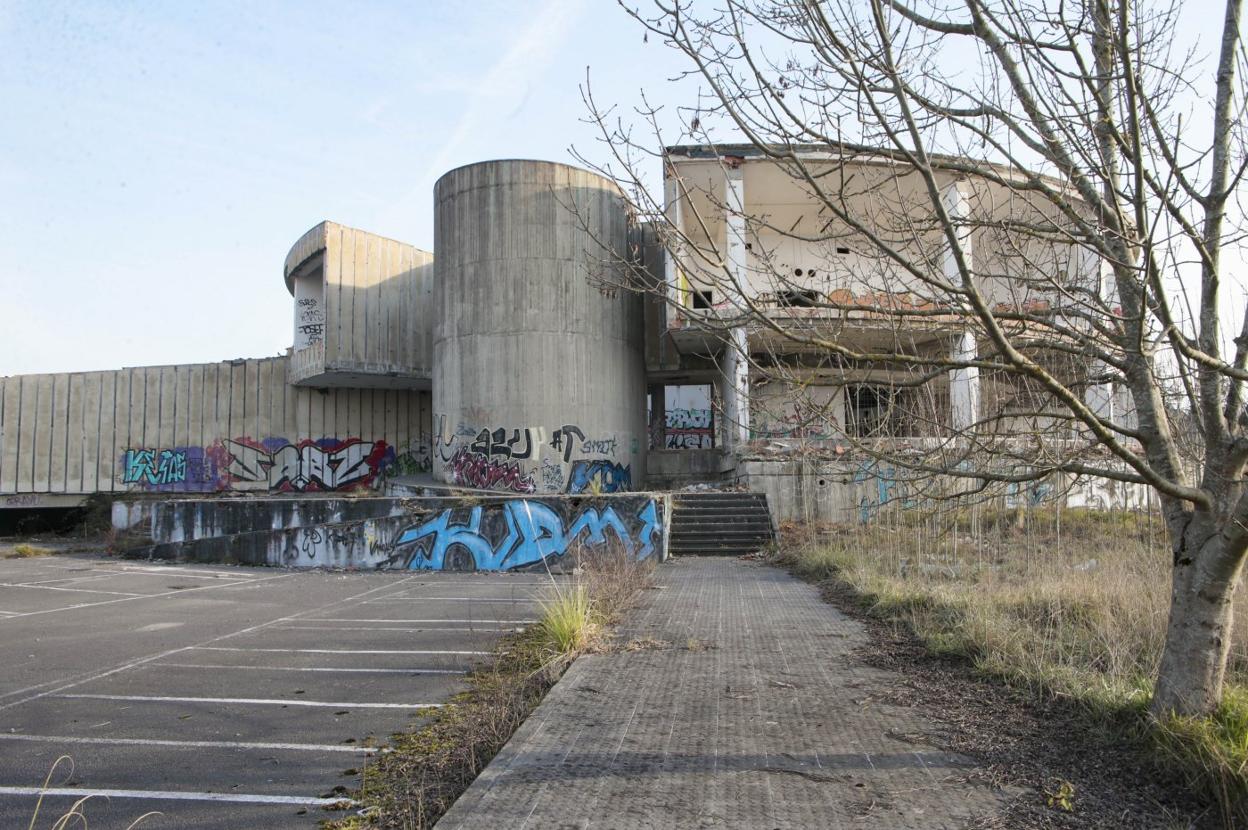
1071	604
76	815
28	551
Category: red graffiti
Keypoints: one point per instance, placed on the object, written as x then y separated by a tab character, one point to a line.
472	469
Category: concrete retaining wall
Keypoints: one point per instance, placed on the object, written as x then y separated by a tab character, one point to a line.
820	490
495	534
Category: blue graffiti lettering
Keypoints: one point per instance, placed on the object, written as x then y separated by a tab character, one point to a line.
534	533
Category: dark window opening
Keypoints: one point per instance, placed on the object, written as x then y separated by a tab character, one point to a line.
875	412
701	299
842	250
797	299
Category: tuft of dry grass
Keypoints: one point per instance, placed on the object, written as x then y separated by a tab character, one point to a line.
76	815
26	550
1068	603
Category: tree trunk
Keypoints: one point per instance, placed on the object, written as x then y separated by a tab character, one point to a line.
1198	636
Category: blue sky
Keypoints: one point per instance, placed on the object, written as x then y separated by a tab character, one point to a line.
157	160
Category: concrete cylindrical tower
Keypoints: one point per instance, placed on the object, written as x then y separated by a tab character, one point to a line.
539	368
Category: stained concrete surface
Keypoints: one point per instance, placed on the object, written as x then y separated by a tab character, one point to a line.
174	686
735	701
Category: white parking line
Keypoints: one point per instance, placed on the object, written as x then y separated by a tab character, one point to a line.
174	795
70	739
481	620
316	668
330	650
33	586
88	678
448	599
479	629
254	701
144	596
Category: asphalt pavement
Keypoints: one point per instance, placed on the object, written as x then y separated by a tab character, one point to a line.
223	697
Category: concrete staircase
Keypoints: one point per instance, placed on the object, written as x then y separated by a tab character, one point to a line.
720	524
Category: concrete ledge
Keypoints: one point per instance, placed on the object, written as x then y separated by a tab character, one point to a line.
495	534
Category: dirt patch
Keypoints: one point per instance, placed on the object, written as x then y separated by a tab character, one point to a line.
1050	747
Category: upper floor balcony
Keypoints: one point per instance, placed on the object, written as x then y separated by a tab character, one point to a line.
362	310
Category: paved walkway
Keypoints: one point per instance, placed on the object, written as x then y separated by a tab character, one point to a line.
753	715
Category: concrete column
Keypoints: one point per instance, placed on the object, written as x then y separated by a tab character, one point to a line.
672	204
1096	272
963	385
957	206
736	365
658	416
734	385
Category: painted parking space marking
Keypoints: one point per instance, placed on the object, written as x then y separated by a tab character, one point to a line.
33	587
175	795
71	739
427	629
514	601
88	678
182	592
332	650
373	620
343	669
252	701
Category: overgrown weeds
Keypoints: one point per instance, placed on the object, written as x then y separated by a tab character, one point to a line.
26	550
1070	604
414	783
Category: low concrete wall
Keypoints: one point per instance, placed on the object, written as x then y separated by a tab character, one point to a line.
491	534
847	490
182	520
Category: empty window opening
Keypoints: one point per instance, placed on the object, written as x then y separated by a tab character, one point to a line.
797	299
877	412
701	298
841	250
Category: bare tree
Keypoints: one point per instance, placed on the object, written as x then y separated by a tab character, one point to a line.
1035	193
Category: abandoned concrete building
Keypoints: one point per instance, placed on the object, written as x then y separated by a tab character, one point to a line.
509	359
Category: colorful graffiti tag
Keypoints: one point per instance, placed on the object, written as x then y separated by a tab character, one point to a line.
472	469
599	477
154	466
327	464
688	429
525	533
177	469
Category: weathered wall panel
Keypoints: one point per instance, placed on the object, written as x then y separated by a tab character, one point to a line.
235	426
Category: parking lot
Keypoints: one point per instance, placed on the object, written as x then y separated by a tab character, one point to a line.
223	697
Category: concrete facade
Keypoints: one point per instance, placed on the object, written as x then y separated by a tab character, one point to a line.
201	428
520	360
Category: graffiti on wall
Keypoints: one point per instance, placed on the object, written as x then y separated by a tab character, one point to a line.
179	469
154	466
473	469
520	533
309	322
530	459
327	464
597	476
517	444
890	487
688	429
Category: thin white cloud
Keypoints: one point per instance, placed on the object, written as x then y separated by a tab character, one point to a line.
508	80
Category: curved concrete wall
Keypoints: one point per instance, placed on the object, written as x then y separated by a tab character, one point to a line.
539	374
